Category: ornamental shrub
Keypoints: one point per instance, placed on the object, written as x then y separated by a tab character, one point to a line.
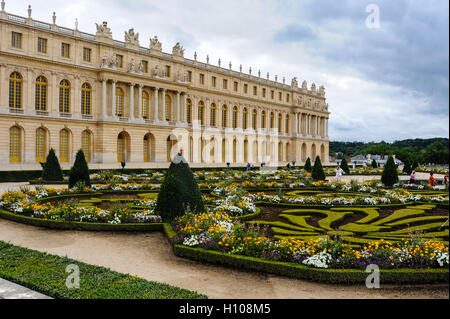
407	167
374	164
179	192
317	172
344	166
79	171
51	170
308	166
390	176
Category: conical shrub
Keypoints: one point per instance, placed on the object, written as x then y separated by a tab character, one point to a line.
79	171
374	164
179	192
344	166
52	170
308	166
317	172
390	175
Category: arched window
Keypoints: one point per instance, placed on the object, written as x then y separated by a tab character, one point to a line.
40	100
272	118
86	145
201	113
189	111
64	96
15	91
213	115
168	105
280	152
15	147
235	117
224	116
280	118
86	99
223	150
263	119
287	152
287	124
245	151
121	148
145	105
146	149
41	140
119	102
244	119
64	146
254	119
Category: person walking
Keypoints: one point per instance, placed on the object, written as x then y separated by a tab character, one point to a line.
339	172
432	181
249	167
412	178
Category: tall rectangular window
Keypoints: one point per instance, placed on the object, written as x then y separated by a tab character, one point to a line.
255	90
189	76
272	94
280	96
16	40
264	92
65	50
145	66
120	61
245	88
213	81
225	84
87	52
42	45
288	98
202	78
168	71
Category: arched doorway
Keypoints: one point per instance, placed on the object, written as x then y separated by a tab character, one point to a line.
123	145
171	143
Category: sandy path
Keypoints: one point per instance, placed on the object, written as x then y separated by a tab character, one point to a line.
150	257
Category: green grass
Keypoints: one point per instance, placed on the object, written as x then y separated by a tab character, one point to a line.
332	218
426	227
359	228
418	219
47	274
300	221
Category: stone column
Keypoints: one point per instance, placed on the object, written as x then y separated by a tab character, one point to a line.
164	104
178	107
132	101
295	123
113	97
156	104
140	102
103	111
3	88
183	108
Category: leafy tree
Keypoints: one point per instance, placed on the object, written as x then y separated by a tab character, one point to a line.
308	166
374	164
390	175
436	153
51	170
179	192
344	166
317	172
79	171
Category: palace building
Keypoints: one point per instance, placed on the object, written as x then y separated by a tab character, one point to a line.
66	89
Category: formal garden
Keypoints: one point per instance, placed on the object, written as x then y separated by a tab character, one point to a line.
289	221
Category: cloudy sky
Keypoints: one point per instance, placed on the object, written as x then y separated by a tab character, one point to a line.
387	83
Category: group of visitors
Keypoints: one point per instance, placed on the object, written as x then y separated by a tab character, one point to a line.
431	180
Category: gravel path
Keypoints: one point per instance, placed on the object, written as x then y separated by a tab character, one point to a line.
149	256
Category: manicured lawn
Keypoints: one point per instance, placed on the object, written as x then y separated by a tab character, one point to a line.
47	274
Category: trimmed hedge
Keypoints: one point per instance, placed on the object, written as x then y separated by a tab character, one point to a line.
65	225
298	271
47	274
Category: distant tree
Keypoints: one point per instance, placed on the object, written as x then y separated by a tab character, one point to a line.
390	175
344	166
51	170
374	164
308	166
436	153
79	171
317	172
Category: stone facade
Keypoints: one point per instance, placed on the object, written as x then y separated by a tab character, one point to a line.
119	101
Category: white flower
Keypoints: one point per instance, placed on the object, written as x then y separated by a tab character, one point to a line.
191	241
320	261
